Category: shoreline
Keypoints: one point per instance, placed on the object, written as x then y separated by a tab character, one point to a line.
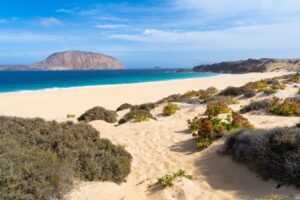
108	85
56	104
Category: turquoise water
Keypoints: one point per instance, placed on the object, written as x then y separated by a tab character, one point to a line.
14	81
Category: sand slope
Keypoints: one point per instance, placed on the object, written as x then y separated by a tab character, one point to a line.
163	147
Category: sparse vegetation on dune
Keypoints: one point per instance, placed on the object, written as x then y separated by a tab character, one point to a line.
215	109
274	154
137	115
124	107
99	113
170	109
257	105
287	107
40	159
221	99
167	180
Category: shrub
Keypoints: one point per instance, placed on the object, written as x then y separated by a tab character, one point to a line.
215	109
167	180
278	87
146	106
71	116
232	91
258	85
137	115
249	93
295	78
124	107
40	159
228	100
287	108
257	105
207	130
274	154
269	91
99	113
170	109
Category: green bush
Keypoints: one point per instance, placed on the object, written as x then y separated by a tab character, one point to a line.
170	109
221	99
40	159
249	93
258	85
215	109
286	108
257	105
274	154
137	115
124	107
269	91
99	113
207	130
232	91
167	180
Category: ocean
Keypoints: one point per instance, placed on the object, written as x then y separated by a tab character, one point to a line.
17	81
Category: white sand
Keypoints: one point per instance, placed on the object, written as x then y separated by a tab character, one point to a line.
160	147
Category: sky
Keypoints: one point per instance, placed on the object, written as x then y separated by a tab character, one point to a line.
148	33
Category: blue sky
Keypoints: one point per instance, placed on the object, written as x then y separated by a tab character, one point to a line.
168	33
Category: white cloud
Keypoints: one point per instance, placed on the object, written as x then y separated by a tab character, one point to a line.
111	26
50	22
239	6
280	36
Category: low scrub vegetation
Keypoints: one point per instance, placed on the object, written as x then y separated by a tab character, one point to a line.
228	100
208	129
232	91
137	115
249	93
40	159
170	109
274	154
215	109
287	107
167	180
99	113
124	107
257	105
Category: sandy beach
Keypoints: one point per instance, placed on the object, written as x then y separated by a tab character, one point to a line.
56	104
162	146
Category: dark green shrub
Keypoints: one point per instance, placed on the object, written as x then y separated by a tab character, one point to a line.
278	87
221	99
137	115
124	107
215	109
269	91
274	154
146	106
249	93
232	91
257	105
40	159
99	113
170	109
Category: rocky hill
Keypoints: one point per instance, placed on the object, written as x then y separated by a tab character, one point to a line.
251	65
77	60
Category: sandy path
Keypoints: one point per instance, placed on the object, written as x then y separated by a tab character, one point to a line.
164	146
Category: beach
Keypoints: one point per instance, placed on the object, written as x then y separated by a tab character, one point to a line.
160	146
56	104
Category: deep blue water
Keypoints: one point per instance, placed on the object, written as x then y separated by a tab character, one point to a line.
13	81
